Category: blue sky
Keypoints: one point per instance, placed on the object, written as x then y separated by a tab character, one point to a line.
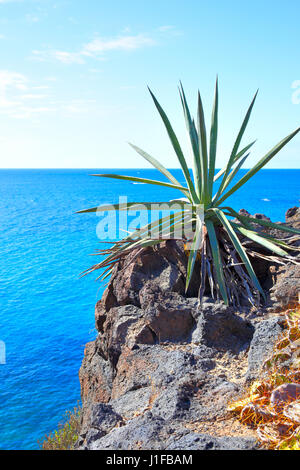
74	76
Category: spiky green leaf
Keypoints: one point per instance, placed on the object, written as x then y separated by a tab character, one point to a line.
138	206
176	147
262	162
158	166
140	180
261	240
235	148
213	141
239	248
190	125
218	265
194	251
233	174
263	223
202	145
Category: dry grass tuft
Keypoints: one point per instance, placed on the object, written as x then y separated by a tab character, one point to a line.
272	405
66	435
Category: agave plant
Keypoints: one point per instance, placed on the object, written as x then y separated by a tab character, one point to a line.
218	238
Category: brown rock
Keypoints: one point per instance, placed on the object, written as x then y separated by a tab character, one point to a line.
171	318
95	374
262	217
116	327
133	371
285	292
284	394
100	315
292	216
292	411
158	269
107	302
140	333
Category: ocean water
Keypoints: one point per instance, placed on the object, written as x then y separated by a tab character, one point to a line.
46	310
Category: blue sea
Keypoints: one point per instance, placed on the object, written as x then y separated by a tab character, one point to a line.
46	309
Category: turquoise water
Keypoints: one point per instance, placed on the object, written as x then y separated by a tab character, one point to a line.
46	311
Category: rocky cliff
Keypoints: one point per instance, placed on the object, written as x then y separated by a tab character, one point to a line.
163	368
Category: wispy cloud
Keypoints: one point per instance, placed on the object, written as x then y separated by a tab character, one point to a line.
32	18
32	96
16	95
169	29
10	1
67	57
10	80
164	28
21	99
97	48
125	43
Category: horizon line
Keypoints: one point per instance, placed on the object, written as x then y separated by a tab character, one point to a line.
125	168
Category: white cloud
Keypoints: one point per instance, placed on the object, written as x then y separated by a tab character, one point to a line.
10	80
31	96
68	57
21	99
41	87
10	1
170	30
97	48
77	106
32	18
125	43
73	20
165	28
13	101
27	112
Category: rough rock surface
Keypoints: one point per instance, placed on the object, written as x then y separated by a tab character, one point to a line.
263	341
292	216
162	369
285	279
282	281
286	288
284	394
